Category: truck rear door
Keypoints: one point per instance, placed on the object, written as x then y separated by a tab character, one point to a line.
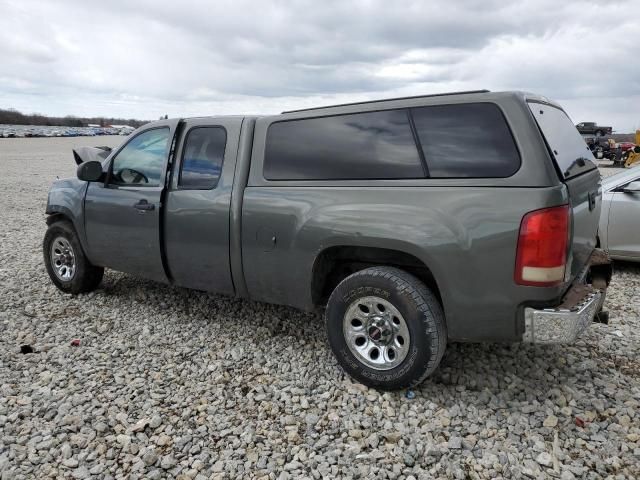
578	170
196	215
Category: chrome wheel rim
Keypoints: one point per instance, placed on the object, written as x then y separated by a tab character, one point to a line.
376	333
63	259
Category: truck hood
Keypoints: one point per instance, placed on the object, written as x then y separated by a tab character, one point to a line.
87	154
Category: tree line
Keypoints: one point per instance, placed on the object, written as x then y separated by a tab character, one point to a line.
14	117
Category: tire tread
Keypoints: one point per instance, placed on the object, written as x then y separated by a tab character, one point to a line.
407	284
87	277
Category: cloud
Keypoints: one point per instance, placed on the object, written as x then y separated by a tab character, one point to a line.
147	58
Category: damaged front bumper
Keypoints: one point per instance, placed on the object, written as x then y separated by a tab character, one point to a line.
580	305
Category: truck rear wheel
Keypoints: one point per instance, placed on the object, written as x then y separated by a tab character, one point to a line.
386	328
66	263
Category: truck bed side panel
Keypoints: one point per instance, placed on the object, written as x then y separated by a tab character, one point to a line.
466	237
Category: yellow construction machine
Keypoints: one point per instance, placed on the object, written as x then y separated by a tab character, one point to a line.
632	155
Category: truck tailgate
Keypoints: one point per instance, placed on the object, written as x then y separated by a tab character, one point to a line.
577	169
585	197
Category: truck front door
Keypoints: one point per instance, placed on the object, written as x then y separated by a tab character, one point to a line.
122	215
196	226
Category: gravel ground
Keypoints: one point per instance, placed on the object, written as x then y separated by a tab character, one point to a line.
607	169
174	383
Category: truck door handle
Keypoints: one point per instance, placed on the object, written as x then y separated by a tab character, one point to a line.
143	205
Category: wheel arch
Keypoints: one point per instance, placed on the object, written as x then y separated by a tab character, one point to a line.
58	217
335	263
83	276
58	213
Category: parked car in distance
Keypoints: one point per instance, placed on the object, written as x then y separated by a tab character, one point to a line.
619	231
592	128
414	221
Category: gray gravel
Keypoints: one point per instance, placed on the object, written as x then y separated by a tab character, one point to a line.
173	383
607	169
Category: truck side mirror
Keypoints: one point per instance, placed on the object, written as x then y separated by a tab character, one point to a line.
633	187
90	171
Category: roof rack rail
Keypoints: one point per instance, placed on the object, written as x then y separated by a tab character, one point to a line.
389	100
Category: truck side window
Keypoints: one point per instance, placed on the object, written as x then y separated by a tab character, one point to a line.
202	157
141	161
469	140
370	145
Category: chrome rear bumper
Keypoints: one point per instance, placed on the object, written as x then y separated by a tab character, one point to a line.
561	325
582	302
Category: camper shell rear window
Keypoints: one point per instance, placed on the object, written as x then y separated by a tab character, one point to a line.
566	146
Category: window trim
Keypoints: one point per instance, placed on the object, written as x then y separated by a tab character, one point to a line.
109	180
185	137
416	140
424	161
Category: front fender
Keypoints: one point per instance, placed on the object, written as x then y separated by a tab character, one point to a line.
66	198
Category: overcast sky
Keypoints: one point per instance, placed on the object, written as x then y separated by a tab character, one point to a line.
146	58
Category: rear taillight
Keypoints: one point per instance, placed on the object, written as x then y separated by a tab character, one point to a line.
542	247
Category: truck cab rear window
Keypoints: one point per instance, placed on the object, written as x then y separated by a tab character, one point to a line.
371	145
466	141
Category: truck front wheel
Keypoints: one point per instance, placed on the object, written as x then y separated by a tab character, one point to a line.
386	328
66	263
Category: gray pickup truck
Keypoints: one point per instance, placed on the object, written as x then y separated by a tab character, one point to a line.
415	221
592	128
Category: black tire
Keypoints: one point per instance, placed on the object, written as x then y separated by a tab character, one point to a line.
86	277
421	311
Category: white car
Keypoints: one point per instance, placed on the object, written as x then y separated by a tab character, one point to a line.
619	229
